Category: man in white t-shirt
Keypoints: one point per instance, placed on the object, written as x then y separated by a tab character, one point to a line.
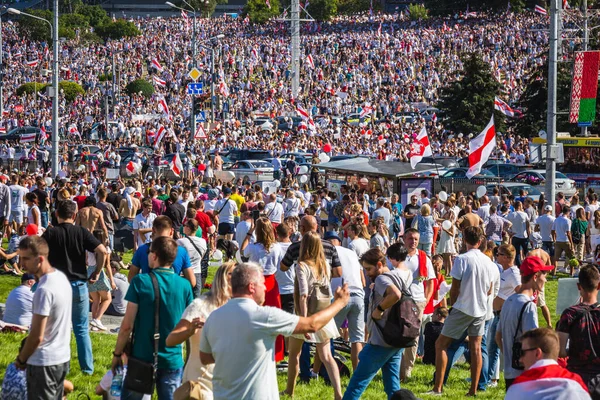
142	225
520	230
274	210
226	209
17	202
591	208
484	209
543	224
47	350
421	290
561	236
471	285
239	337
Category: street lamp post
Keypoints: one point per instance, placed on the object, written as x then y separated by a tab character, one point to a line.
212	73
54	31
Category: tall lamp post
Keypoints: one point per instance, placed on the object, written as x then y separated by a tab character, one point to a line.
212	72
54	30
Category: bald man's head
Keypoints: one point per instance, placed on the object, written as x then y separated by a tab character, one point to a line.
308	223
273	197
468	209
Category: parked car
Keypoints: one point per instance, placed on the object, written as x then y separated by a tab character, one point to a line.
506	171
537	178
246	154
514	188
288	123
427	114
301	158
446	162
461	173
16	133
340	157
354	119
252	170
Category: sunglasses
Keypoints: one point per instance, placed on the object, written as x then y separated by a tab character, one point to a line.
524	351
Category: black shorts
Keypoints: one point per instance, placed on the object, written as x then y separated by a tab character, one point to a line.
226	228
287	302
324	223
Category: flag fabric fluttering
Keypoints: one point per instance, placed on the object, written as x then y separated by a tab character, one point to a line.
33	63
27	137
540	10
133	168
158	137
162	104
505	109
158	81
480	148
268	4
420	148
73	130
366	110
310	62
176	165
157	65
186	19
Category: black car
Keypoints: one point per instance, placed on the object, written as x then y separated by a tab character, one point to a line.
288	123
447	162
16	133
247	154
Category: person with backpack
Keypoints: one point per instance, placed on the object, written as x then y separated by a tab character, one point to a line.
312	293
579	325
391	324
472	282
421	289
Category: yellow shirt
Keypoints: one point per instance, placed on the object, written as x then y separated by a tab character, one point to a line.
239	200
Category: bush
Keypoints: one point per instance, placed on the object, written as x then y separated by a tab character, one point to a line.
66	32
95	14
34	29
90	37
258	11
70	90
31	87
117	30
73	21
105	77
140	85
323	10
417	12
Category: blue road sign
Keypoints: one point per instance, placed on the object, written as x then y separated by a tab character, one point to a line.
201	117
195	88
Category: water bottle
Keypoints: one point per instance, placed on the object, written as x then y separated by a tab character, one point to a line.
117	383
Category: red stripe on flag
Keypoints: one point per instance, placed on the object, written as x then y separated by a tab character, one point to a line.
589	80
475	156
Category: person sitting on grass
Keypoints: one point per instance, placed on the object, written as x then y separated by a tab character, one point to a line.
19	304
432	332
11	256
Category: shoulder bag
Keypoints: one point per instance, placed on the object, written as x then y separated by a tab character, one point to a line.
517	346
200	253
141	375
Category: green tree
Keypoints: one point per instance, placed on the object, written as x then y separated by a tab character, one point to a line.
69	6
70	90
117	30
31	87
96	15
140	85
323	10
417	12
355	6
34	29
259	12
469	101
74	21
203	8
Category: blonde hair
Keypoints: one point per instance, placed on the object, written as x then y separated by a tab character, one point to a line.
264	233
64	194
425	210
220	291
312	254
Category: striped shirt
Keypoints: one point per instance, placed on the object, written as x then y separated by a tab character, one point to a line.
293	252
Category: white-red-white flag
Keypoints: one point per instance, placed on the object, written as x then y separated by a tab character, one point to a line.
540	10
310	62
420	148
27	137
33	63
133	168
162	104
186	19
158	81
268	4
223	88
159	136
176	165
566	5
157	65
379	30
366	110
480	148
200	132
505	109
434	118
302	112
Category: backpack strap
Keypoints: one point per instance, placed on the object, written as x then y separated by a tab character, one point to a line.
519	323
422	263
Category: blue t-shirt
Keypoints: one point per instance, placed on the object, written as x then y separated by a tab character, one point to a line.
140	259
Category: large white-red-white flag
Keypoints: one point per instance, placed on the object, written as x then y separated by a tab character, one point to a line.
366	110
223	88
158	81
302	112
33	63
480	148
157	65
186	19
158	137
540	10
133	168
505	109
310	62
162	104
420	148
176	165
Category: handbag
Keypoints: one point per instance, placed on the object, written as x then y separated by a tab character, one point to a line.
190	390
141	375
517	346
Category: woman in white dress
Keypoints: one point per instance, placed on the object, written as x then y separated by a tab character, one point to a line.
33	211
312	273
190	327
446	246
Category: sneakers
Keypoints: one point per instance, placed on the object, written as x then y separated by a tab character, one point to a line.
492	384
313	375
433	393
576	273
98	324
562	270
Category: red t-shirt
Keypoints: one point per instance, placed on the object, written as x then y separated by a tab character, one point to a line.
204	223
80	200
429	308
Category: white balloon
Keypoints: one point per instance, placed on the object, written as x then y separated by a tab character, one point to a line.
443	196
460	135
324	157
277	183
303	170
481	191
447	225
217	255
303	178
48	181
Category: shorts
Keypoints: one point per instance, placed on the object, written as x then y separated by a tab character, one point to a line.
561	247
16	216
287	302
354	314
324	223
541	299
457	322
226	228
46	382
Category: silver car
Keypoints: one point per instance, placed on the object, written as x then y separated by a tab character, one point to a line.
537	178
252	170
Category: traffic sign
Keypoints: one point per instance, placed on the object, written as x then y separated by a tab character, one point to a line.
194	88
201	117
194	74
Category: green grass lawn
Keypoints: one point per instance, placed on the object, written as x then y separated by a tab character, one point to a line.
103	345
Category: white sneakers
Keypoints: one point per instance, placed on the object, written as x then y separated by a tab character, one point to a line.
96	323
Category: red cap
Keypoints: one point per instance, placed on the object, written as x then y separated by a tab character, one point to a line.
533	264
32	229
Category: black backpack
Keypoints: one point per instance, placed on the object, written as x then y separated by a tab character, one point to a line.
403	324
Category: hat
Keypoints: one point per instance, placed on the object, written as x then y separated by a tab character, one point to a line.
548	208
329	235
32	230
226	191
533	264
27	277
213	194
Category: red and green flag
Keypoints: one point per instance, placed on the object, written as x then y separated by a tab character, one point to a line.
584	87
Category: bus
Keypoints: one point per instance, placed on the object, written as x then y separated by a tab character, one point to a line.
581	158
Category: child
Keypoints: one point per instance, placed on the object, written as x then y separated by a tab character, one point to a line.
433	330
437	261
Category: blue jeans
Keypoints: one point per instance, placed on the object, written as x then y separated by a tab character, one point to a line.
167	381
80	320
111	241
493	350
44	218
371	359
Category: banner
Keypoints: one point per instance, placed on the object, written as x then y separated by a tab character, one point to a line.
584	88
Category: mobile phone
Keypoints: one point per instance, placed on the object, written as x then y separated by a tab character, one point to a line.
255	214
342	282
